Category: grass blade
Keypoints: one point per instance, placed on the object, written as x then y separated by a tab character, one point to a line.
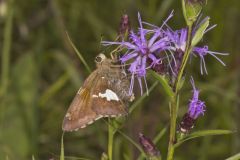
202	134
7	39
79	54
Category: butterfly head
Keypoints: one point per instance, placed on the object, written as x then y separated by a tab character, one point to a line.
101	60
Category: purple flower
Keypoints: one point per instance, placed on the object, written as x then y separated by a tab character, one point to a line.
142	46
195	109
177	38
178	41
202	52
196	106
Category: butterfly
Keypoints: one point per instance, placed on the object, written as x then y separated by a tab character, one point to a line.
105	93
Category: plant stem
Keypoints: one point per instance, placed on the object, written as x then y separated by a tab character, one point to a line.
173	118
110	139
173	103
7	39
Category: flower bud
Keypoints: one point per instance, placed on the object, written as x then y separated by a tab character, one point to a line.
148	146
124	26
196	108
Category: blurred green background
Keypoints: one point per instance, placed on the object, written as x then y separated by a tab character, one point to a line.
40	74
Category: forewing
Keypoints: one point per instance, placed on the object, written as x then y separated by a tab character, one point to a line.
80	112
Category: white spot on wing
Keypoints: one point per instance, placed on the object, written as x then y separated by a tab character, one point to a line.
109	95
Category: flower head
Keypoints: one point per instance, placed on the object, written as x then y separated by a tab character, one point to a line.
201	52
196	106
195	109
143	45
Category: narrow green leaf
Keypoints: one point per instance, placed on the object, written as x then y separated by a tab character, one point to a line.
160	135
79	54
202	134
33	158
200	31
164	83
62	148
234	157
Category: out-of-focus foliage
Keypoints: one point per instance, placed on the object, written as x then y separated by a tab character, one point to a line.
44	74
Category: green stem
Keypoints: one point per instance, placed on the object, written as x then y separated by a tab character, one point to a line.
173	103
7	39
110	139
173	118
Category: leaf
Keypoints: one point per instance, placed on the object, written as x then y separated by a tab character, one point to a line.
164	83
160	135
234	157
200	31
202	134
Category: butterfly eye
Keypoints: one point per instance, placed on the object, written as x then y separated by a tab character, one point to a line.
100	58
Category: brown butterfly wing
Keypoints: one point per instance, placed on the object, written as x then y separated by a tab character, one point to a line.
80	113
106	101
94	100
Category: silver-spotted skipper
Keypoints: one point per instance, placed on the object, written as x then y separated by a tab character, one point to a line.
105	93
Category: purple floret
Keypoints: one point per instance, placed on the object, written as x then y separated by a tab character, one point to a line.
196	106
202	52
